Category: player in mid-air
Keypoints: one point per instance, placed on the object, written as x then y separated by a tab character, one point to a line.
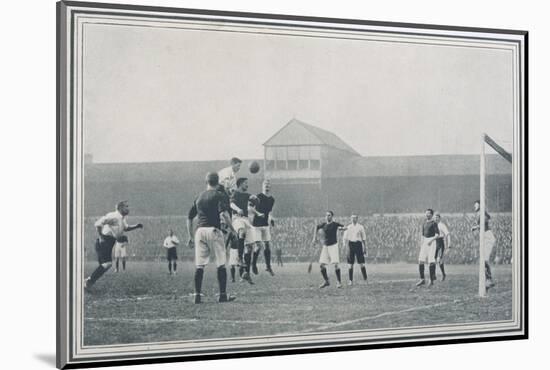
228	175
240	207
430	233
121	251
489	241
355	238
110	229
170	243
443	241
329	249
210	208
262	224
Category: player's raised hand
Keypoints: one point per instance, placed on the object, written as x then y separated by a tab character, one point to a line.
139	226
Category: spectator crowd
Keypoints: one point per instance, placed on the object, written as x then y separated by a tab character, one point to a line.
390	238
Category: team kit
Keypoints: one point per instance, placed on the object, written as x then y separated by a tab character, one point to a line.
233	226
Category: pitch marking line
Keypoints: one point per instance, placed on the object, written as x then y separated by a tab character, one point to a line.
172	297
177	321
391	313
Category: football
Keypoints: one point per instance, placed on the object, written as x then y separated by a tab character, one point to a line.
254	167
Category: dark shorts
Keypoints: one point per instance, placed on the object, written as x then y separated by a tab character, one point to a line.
171	253
355	251
104	249
439	248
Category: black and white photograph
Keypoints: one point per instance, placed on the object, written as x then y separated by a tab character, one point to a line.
235	183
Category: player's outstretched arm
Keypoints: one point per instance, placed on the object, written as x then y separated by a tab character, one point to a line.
133	227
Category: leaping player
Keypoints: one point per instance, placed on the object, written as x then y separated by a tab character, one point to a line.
228	175
240	206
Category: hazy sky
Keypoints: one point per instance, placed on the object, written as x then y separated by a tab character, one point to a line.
172	95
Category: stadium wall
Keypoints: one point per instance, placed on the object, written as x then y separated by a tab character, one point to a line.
364	195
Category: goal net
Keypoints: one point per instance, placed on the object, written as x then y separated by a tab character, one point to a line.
495	196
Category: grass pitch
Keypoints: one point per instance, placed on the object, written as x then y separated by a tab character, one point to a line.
145	304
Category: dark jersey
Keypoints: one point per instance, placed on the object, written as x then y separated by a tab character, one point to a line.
232	241
487	218
241	200
330	230
265	206
208	206
429	229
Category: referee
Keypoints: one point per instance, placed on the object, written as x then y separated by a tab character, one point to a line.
110	229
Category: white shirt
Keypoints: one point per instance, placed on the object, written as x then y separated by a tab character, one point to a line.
443	230
355	233
113	224
171	241
228	178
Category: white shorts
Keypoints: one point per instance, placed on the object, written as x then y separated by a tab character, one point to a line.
120	250
233	257
427	252
329	254
208	241
239	223
263	233
489	244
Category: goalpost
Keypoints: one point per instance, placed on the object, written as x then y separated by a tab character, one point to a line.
485	140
